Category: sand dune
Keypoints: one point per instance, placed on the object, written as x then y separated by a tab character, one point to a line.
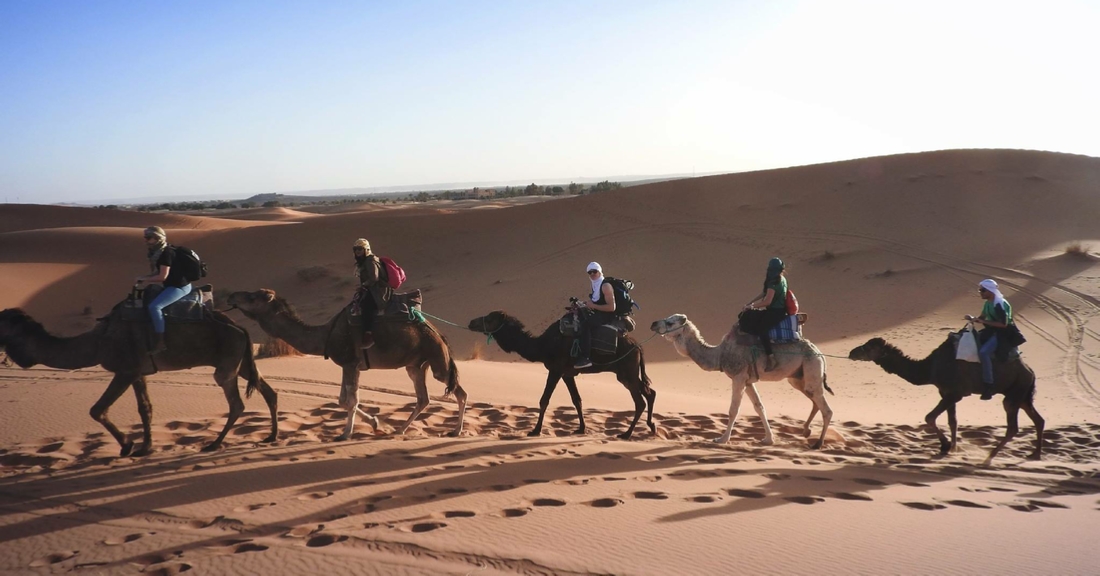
890	246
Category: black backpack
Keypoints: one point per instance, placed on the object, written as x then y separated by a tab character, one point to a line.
624	304
191	267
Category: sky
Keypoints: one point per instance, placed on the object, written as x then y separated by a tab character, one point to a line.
103	100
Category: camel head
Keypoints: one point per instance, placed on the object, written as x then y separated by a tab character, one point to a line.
16	327
253	304
669	325
874	349
489	323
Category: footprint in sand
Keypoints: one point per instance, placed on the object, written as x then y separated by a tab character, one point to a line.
1047	504
966	504
778	476
514	512
548	502
650	495
459	514
1024	507
605	503
55	558
851	496
744	493
315	496
253	507
703	499
125	539
166	569
923	506
804	499
322	540
48	448
818	479
423	527
868	481
453	490
916	484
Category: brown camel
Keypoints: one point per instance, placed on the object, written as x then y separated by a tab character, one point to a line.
553	351
416	347
957	379
111	344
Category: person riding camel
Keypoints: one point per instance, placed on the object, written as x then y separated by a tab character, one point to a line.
767	310
996	319
161	259
601	307
371	297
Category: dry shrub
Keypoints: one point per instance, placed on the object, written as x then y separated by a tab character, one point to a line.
313	273
1078	250
823	257
275	348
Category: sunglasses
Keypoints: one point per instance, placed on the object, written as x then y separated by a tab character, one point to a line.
593	271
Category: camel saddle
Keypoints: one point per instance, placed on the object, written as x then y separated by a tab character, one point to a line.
195	307
1010	354
398	308
789	330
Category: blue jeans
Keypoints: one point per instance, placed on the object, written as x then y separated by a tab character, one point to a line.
168	296
985	354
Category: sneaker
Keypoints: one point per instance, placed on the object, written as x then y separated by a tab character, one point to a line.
582	363
987	395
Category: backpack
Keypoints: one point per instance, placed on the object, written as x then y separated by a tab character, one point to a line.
624	304
191	267
395	276
792	303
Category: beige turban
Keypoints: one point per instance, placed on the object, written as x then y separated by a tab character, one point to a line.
362	243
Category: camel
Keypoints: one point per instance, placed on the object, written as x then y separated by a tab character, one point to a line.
398	344
957	379
552	349
800	363
111	344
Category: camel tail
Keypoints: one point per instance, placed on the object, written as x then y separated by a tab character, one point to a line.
452	377
249	365
825	383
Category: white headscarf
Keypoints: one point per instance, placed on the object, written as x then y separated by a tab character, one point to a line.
991	286
597	282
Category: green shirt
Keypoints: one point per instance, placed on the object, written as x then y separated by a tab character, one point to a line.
780	298
997	313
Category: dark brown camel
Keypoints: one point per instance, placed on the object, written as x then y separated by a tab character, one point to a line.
111	344
957	379
416	347
553	351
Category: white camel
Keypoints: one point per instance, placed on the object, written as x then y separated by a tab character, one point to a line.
800	363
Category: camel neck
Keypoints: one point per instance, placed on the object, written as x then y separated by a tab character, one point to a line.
514	339
306	338
917	372
692	345
79	351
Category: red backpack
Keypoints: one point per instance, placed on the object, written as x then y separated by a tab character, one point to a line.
395	276
792	303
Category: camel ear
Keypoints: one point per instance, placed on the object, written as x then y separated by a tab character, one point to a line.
268	295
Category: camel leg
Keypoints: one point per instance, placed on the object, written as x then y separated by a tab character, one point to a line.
1032	413
735	407
800	385
271	398
953	425
754	397
650	399
419	375
551	383
349	400
809	420
575	395
227	379
1012	412
145	410
460	396
114	390
930	420
826	416
639	407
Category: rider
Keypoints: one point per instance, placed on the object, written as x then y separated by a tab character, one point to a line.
767	309
995	318
371	296
161	257
601	303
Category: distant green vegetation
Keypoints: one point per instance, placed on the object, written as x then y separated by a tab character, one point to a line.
290	201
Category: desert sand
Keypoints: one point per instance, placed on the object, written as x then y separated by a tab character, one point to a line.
890	247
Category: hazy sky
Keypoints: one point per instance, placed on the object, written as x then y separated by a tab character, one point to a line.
104	100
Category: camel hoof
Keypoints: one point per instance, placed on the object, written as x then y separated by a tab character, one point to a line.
578	432
454	433
767	442
720	440
652	428
211	447
126	449
1035	456
806	433
145	450
534	433
341	438
624	436
270	439
816	445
